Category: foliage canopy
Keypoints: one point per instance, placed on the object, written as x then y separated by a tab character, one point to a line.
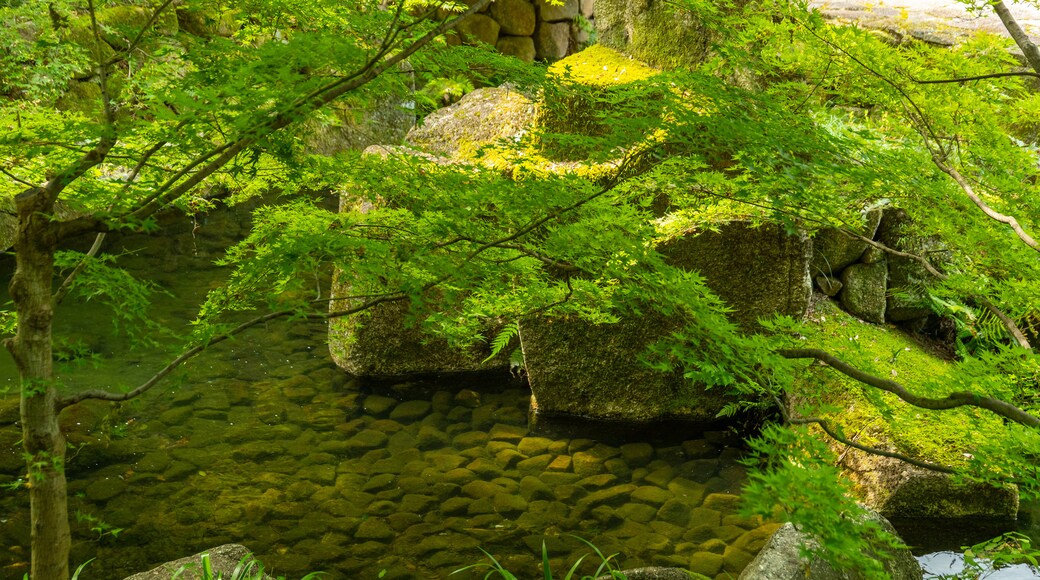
113	113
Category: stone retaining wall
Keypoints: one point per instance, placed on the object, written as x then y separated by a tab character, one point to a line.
531	30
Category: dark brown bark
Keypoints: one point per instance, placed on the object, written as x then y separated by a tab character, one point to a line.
42	439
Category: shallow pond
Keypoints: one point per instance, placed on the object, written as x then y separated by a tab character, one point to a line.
274	448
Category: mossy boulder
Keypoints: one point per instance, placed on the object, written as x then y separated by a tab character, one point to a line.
757	270
351	126
658	33
516	17
894	488
833	250
381	343
479	28
206	22
481	117
781	559
557	12
129	20
582	88
552	40
908	280
522	47
578	368
863	291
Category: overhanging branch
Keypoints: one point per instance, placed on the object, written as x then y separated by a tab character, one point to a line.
951	401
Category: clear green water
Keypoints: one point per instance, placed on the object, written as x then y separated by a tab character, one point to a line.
272	447
264	442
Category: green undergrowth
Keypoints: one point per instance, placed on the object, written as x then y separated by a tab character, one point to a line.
870	416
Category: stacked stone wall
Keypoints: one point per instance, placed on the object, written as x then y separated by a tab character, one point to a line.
531	30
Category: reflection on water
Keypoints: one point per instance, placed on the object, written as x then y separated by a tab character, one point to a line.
948	564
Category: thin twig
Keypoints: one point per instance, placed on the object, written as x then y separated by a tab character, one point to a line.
977	78
194	351
871	450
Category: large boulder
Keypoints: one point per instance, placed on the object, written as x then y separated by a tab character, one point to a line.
758	271
578	368
223	562
658	33
897	489
781	559
516	17
479	118
380	342
353	126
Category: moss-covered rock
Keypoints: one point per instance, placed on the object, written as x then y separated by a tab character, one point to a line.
344	128
863	291
908	280
757	270
578	368
658	33
479	28
833	250
522	47
888	485
206	22
552	40
580	91
781	559
516	17
482	117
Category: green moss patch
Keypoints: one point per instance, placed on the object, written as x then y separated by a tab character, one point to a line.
586	87
599	66
880	419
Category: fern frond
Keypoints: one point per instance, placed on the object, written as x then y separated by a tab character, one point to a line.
501	340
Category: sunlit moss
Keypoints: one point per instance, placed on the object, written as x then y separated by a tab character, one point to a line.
944	437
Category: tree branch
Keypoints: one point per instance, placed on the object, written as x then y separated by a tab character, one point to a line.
220	156
871	450
194	351
990	212
140	34
1020	37
978	77
951	401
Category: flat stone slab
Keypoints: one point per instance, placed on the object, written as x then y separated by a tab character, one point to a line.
934	21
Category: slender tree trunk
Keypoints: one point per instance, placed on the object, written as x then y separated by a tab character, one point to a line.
31	348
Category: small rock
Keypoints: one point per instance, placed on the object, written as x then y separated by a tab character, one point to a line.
828	285
409	411
637	454
468	398
374	529
377	405
651	495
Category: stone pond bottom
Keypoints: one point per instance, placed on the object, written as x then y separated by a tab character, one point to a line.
312	474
